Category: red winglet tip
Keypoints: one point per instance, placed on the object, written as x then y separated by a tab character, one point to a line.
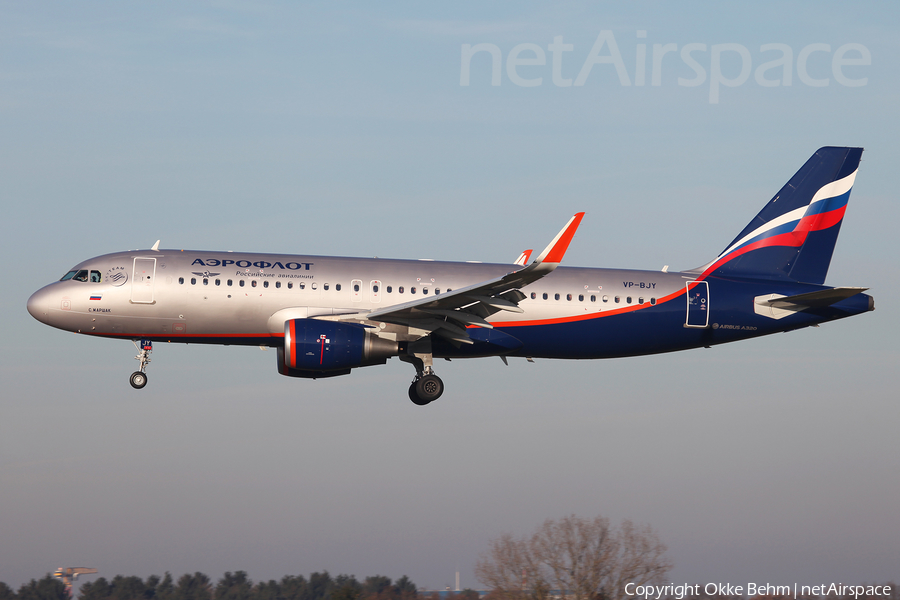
562	244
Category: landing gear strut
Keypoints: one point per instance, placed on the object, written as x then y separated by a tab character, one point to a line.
426	387
139	378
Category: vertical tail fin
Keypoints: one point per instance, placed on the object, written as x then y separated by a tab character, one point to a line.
793	236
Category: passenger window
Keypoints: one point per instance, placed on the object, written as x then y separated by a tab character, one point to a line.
628	299
253	283
653	301
449	290
569	297
533	295
81	276
605	298
228	282
205	281
314	285
325	287
412	290
617	299
545	295
424	291
337	287
290	285
277	285
581	297
593	298
95	276
400	290
193	281
301	285
266	283
181	280
218	282
640	300
389	289
437	291
556	296
356	288
241	283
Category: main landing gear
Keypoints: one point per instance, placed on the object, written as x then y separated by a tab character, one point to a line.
139	378
426	387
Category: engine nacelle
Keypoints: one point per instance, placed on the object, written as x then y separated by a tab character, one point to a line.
314	348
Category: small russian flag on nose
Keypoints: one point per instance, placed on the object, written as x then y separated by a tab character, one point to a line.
96	297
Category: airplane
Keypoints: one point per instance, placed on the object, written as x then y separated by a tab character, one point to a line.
328	315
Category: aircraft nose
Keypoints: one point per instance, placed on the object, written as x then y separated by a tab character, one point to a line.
38	304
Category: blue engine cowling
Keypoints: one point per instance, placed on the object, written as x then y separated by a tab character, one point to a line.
314	348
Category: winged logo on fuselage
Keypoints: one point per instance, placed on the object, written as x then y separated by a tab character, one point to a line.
206	274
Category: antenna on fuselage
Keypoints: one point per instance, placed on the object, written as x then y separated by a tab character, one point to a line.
155	247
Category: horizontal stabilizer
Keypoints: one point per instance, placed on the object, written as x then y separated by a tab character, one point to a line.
817	299
776	306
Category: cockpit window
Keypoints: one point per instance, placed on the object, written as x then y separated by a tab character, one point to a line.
83	275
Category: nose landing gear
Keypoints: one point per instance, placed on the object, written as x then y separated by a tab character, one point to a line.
139	378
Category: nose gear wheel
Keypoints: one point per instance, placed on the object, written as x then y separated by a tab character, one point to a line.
138	379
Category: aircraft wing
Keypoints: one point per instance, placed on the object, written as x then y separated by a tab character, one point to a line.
450	313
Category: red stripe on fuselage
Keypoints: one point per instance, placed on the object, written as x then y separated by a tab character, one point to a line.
594	315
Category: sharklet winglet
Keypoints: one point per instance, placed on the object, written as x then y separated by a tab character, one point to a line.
554	252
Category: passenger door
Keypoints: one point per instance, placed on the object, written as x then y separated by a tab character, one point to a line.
697	304
142	279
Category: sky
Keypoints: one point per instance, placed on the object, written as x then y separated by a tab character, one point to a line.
351	129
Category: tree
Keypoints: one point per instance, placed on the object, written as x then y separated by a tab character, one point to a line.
234	586
6	592
165	589
405	589
267	590
582	559
193	587
320	585
377	585
130	588
99	589
346	587
48	588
